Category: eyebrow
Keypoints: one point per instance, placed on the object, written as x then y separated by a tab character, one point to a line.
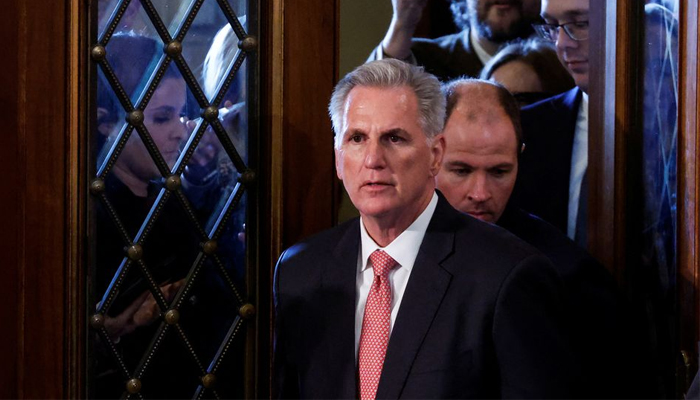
393	131
571	14
466	165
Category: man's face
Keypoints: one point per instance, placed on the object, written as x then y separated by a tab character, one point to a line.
572	53
384	158
481	161
503	20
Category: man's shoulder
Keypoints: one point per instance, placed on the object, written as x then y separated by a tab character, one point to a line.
570	259
323	243
447	57
567	101
446	42
484	244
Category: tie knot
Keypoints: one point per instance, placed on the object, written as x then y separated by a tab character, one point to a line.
382	263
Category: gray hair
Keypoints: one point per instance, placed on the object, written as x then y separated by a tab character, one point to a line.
392	73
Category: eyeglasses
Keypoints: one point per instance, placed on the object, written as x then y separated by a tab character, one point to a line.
577	30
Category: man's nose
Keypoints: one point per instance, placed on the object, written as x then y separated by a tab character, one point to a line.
375	155
563	39
479	191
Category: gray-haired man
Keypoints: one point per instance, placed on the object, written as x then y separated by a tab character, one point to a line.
413	299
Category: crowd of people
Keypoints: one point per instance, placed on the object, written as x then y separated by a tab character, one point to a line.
466	274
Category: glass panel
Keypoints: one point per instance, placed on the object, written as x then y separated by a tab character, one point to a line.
659	180
169	267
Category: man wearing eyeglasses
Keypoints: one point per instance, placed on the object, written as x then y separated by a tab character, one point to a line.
552	181
485	24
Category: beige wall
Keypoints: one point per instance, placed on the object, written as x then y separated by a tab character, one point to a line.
362	26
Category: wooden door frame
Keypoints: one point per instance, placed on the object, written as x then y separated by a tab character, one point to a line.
42	207
614	139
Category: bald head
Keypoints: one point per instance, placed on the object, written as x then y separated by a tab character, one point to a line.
482	143
478	99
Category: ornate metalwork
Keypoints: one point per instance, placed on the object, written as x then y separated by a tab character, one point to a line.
137	245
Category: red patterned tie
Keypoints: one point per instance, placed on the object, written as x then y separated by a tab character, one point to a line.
375	325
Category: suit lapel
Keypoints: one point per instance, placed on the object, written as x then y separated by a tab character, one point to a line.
338	286
424	292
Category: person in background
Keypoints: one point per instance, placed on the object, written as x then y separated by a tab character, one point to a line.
486	25
552	182
483	141
530	70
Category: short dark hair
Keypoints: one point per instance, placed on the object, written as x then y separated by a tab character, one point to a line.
503	97
539	55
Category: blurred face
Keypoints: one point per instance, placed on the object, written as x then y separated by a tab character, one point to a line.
384	159
162	119
517	77
572	53
503	20
481	163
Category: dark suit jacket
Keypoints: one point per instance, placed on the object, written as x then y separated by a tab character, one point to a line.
542	187
480	318
593	303
447	57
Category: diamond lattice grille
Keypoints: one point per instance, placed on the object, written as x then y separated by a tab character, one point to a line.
170	202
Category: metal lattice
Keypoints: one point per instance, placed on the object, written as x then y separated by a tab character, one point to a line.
169	322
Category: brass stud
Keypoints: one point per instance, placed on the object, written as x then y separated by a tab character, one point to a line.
97	186
173	182
210	246
246	311
98	53
173	49
248	44
210	114
133	385
208	380
172	317
135	252
248	177
135	117
97	321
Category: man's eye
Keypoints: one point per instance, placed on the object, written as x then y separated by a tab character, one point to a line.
395	138
460	171
581	25
355	138
499	172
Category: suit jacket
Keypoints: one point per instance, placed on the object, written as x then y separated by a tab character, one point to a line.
594	306
480	318
542	187
447	57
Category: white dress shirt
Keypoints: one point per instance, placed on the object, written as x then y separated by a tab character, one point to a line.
579	163
404	250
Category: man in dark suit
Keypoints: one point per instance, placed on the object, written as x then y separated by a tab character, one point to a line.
485	25
552	182
413	299
482	143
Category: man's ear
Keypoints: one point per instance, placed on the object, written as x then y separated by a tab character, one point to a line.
437	151
338	164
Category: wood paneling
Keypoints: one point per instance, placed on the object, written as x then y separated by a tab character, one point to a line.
38	207
310	69
688	176
10	204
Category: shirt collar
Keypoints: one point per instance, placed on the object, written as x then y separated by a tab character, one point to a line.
483	55
404	249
